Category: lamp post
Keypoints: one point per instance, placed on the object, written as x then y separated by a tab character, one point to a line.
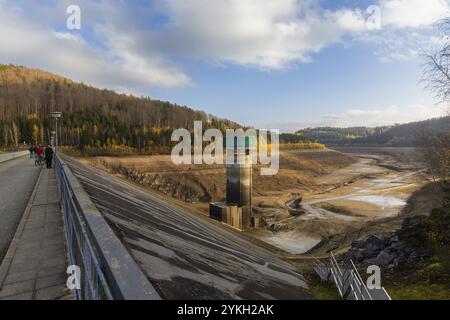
52	139
56	116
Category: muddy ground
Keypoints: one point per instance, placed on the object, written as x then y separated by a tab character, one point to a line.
319	201
198	185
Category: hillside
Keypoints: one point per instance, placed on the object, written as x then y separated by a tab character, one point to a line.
397	135
92	118
97	122
10	75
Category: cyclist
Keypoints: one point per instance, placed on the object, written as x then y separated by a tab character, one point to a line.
39	155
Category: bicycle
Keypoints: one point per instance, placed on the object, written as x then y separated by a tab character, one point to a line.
39	160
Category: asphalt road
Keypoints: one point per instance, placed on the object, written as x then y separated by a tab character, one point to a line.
185	255
17	180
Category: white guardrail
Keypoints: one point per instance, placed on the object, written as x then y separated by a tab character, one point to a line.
12	155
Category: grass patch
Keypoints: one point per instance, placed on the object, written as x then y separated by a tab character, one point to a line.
325	291
419	292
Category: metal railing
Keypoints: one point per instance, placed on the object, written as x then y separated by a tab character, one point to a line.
359	288
348	281
108	271
322	270
342	277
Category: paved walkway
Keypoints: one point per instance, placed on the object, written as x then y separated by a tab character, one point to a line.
17	180
34	267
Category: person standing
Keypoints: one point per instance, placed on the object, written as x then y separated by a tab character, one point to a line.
49	156
32	151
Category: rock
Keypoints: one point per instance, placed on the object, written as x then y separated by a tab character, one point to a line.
385	257
297	212
356	255
360	255
394	239
297	203
359	244
370	261
408	251
398	246
279	227
374	246
388	252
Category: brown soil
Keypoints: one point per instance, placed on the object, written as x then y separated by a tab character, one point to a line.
201	184
342	195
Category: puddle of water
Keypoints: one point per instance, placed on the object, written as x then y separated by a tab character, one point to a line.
380	201
319	213
295	244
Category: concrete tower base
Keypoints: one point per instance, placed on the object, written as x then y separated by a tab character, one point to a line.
230	214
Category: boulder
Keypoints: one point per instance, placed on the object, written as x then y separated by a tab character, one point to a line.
359	244
360	255
388	252
394	239
374	246
385	257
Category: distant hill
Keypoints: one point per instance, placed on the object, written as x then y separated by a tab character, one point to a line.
11	75
397	135
92	118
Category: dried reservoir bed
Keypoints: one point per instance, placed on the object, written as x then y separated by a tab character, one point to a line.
342	192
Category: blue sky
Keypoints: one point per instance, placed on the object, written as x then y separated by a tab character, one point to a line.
283	64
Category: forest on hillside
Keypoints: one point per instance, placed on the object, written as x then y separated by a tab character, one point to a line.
404	135
92	118
96	121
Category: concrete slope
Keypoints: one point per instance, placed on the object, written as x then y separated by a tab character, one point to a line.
17	180
187	256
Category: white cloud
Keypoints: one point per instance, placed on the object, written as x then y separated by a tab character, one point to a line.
261	33
271	34
406	28
413	13
265	34
123	52
26	40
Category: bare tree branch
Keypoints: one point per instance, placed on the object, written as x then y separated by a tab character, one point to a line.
436	76
436	69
